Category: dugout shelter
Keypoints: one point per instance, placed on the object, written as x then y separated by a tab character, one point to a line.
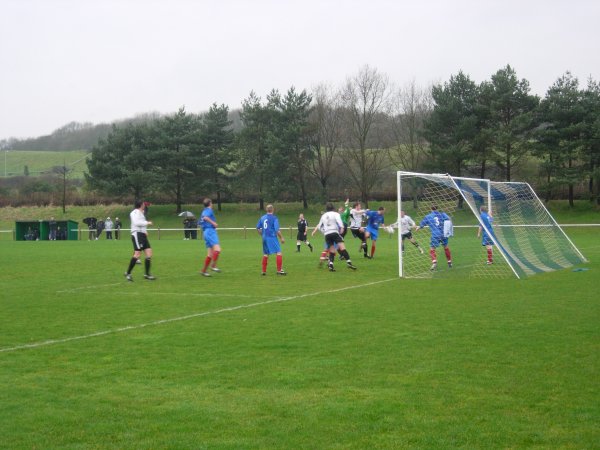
34	230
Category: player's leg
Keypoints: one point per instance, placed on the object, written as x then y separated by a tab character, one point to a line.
490	254
416	244
265	263
137	251
147	264
343	252
279	262
216	251
374	237
308	244
447	252
432	245
207	261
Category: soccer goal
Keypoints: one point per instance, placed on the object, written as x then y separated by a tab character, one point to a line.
524	238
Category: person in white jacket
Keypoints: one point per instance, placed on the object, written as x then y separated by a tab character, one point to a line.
108	227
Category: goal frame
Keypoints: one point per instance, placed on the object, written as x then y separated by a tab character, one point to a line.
476	214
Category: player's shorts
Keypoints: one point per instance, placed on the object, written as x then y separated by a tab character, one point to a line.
301	236
333	239
436	241
140	241
357	233
211	238
407	235
486	240
271	245
374	233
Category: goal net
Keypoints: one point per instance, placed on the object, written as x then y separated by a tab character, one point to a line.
524	238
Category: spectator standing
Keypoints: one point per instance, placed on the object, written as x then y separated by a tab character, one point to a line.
108	226
52	225
118	226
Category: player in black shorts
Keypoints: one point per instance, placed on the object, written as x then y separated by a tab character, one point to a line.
139	238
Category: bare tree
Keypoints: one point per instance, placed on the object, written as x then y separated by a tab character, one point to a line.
326	121
365	98
410	106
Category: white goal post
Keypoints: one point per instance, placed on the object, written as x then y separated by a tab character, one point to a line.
524	239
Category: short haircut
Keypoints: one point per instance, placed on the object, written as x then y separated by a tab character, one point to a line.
433	207
483	208
270	208
381	208
355	204
329	206
207	202
138	204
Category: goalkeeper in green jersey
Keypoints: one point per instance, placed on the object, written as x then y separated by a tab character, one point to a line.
345	215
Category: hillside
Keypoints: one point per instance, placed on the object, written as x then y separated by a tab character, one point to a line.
40	162
84	136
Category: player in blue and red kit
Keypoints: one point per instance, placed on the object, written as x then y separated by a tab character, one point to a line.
435	221
268	228
209	225
374	220
485	231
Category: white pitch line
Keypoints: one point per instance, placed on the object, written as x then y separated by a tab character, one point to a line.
200	294
88	287
190	316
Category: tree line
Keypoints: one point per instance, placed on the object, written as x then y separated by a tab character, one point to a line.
347	140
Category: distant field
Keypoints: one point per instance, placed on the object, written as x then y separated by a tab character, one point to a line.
39	162
345	360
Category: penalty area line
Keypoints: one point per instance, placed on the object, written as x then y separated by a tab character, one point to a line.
187	317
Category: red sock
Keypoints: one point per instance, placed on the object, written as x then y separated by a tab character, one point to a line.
433	255
206	263
372	249
325	254
448	255
215	257
279	262
490	255
265	260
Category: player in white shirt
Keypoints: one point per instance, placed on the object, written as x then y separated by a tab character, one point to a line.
406	227
330	225
139	238
356	217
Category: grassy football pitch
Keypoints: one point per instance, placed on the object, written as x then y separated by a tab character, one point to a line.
312	360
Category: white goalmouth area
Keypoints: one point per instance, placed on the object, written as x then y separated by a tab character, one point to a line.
524	238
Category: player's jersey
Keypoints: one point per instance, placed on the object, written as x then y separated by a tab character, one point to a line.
435	221
345	216
374	219
355	218
330	222
207	212
487	220
138	222
302	225
269	224
406	224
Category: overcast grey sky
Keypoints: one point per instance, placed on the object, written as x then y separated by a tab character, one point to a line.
103	60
